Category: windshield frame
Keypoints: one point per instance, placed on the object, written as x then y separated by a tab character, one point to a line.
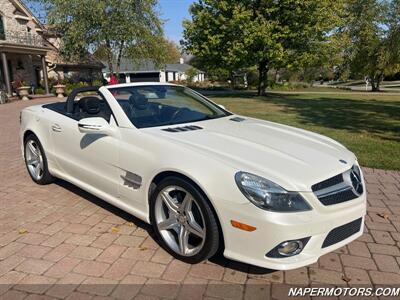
190	93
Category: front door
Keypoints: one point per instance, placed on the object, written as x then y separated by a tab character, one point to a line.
86	159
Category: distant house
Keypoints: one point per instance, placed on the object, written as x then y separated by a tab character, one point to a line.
148	71
30	52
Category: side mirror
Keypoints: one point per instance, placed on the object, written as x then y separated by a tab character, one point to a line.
95	125
223	107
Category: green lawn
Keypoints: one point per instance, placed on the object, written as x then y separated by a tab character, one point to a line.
369	125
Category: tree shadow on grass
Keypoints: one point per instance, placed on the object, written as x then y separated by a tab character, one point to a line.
218	259
373	116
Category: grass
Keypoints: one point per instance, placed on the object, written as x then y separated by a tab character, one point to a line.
368	125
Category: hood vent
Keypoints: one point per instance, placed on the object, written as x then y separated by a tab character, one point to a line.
184	128
237	119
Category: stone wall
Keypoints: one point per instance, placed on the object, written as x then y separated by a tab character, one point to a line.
8	12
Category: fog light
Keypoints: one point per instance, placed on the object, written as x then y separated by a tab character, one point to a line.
290	248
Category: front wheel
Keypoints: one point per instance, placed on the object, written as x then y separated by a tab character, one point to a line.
36	161
184	221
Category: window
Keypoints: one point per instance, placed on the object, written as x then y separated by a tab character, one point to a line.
2	29
158	105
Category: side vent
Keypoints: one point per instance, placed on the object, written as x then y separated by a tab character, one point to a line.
184	128
237	119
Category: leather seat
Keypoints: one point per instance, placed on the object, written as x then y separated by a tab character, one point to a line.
93	107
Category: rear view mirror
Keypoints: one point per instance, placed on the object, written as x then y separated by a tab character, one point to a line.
95	125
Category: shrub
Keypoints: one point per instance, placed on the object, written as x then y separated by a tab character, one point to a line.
39	91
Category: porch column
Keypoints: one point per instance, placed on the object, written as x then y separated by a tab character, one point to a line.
45	79
6	73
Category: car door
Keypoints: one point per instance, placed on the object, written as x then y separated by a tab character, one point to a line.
86	159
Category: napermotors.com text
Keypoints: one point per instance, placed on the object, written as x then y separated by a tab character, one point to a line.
344	291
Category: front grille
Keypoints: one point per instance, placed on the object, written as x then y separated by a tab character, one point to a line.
342	232
327	183
337	198
340	188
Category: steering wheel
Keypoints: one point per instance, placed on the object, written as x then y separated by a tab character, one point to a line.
179	112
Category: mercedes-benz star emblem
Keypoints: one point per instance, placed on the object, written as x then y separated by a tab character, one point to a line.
356	181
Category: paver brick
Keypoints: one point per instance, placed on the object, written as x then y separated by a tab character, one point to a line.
32	238
129	241
176	271
91	268
386	263
111	254
62	267
129	287
358	262
357	276
119	269
104	240
384	278
34	266
10	249
34	251
384	249
80	239
10	263
77	228
207	271
85	252
359	249
35	284
148	269
382	237
160	288
59	252
97	286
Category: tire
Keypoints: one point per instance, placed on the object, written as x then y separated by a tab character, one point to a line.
39	175
199	221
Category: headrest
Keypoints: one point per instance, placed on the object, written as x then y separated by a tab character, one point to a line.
139	101
90	105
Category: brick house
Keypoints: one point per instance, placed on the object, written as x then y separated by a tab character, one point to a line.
30	53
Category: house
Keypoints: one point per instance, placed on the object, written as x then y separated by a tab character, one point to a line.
29	52
148	71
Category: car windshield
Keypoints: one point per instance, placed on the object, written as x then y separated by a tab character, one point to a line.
158	105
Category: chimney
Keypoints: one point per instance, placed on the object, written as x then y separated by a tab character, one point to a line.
181	61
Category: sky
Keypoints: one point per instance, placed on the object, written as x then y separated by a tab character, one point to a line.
173	12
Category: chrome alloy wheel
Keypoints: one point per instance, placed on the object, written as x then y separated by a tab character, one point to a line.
180	221
34	160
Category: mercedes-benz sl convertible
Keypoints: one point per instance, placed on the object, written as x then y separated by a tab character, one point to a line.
206	179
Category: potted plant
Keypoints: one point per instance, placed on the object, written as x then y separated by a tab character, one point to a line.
22	90
59	87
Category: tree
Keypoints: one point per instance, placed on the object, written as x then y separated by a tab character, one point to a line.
110	28
373	29
172	53
237	34
191	74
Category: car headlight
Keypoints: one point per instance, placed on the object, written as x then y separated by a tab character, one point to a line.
268	195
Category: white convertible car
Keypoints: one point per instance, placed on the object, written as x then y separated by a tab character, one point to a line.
262	193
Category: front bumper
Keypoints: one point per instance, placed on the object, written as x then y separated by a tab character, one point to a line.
275	228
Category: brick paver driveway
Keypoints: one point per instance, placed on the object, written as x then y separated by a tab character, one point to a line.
60	234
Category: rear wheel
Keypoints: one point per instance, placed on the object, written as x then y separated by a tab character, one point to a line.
183	220
36	161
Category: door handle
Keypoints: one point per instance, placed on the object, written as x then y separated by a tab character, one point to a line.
56	128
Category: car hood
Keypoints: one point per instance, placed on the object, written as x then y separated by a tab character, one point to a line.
293	158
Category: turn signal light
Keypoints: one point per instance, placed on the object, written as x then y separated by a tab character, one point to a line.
242	226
